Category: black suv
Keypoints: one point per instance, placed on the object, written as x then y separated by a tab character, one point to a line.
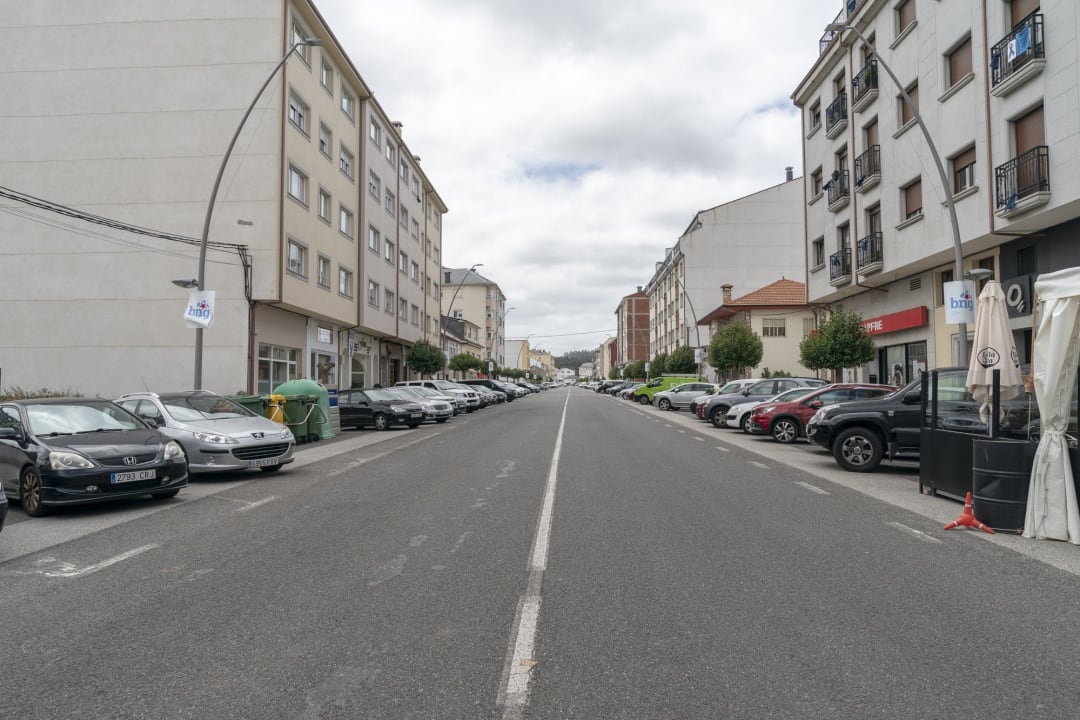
491	385
716	407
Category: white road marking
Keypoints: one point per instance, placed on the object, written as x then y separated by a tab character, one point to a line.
919	534
682	431
763	466
812	488
257	503
513	694
357	463
67	569
722	449
699	439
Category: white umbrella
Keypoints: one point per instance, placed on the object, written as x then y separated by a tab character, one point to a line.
992	349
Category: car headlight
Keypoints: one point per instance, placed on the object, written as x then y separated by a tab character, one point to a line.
286	433
398	410
68	461
819	415
173	450
764	411
214	438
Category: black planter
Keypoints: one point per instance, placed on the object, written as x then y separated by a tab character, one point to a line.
945	461
1000	476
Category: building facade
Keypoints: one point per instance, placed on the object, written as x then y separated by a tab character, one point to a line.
994	83
632	328
318	272
471	296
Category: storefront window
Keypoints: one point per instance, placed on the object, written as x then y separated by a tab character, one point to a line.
358	371
276	365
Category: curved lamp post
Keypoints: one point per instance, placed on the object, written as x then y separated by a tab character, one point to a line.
958	251
201	280
458	288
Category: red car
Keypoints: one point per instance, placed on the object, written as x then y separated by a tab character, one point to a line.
786	422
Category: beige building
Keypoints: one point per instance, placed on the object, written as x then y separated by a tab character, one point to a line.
326	236
470	296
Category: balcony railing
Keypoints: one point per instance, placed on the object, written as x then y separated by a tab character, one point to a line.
864	82
839	188
836	113
1021	177
870	257
868	166
840	267
1022	46
850	6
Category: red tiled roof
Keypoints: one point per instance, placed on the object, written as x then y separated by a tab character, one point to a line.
782	293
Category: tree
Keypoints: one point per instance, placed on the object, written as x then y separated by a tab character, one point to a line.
425	358
464	362
682	360
615	374
634	370
840	342
734	348
658	366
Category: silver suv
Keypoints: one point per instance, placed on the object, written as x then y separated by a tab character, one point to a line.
468	396
216	433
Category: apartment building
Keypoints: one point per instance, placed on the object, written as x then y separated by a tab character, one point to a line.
298	245
745	243
632	328
995	84
470	296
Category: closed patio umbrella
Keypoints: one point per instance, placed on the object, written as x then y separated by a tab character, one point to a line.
992	349
1052	512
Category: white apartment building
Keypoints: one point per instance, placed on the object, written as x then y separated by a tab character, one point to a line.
746	243
995	83
316	272
470	296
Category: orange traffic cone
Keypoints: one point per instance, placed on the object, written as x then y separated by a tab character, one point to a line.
967	518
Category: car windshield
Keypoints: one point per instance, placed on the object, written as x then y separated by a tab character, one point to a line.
381	395
61	419
403	393
193	408
424	391
731	387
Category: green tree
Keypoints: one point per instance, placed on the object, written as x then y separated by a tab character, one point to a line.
634	370
682	360
464	362
658	366
840	342
735	348
615	374
425	358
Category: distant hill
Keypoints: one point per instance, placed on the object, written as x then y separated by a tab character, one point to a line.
574	359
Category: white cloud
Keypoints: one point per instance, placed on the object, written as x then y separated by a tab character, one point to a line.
574	140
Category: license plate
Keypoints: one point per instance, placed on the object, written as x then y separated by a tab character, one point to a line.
132	476
262	462
416	416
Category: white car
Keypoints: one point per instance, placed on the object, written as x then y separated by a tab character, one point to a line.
739	415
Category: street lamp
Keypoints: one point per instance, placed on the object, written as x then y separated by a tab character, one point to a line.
697	328
958	251
463	279
201	280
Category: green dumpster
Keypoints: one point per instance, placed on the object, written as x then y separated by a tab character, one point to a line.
254	403
307	409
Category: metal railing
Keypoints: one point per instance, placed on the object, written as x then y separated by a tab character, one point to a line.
868	164
865	81
870	251
836	112
1022	45
1023	175
839	187
840	265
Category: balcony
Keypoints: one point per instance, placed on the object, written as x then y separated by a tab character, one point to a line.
864	86
839	191
870	257
840	268
836	116
1019	57
1022	183
868	169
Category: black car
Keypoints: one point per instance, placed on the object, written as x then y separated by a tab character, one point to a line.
3	509
492	386
378	408
69	451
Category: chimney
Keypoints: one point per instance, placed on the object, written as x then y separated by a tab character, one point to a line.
639	288
727	292
789	172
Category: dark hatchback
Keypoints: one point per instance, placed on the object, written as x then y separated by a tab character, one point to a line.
65	451
377	408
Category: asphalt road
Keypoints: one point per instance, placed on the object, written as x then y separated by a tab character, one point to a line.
568	555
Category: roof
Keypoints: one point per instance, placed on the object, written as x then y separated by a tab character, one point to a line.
782	293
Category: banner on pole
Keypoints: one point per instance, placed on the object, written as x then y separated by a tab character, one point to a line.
200	309
959	302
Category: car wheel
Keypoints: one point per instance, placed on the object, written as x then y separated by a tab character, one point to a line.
382	422
643	399
785	430
271	468
663	404
858	450
165	494
744	424
413	426
718	416
30	493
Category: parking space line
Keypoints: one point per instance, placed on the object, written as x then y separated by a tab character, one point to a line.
755	463
68	570
812	488
699	439
722	449
918	534
256	503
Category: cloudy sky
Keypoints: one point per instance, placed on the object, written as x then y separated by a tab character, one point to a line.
574	140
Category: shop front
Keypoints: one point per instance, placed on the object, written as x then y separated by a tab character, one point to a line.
901	341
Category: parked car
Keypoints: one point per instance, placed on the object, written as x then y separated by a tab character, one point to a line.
436	410
680	396
3	509
716	409
785	420
646	392
68	451
216	433
378	408
457	403
729	387
469	395
627	393
738	416
491	386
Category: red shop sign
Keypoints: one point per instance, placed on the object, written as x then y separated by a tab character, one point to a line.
912	318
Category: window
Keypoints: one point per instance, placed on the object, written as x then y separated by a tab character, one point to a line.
403	218
345	221
298	185
348	103
388	304
375	133
436	253
324	205
299	34
326	77
807	327
818	252
958	63
344	282
773	327
326	140
346	163
414	272
403	262
296	261
403	309
391	202
945	276
1025	260
391	153
435	291
389	252
373	293
815	115
906	113
912	196
373	239
414	230
276	365
905	15
815	183
405	172
298	112
416	187
415	315
324	271
963	168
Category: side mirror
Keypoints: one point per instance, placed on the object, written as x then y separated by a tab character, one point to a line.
9	433
816	404
153	422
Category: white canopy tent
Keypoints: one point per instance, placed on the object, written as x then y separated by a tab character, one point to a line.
1052	511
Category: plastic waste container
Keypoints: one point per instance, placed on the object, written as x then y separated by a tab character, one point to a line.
276	409
255	403
307	409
